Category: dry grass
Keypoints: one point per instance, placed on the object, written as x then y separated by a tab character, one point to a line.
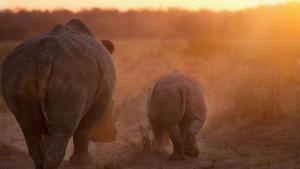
143	146
252	94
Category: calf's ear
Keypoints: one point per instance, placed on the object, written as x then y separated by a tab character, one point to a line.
109	46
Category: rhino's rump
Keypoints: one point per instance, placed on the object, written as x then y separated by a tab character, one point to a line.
175	98
81	69
195	106
167	104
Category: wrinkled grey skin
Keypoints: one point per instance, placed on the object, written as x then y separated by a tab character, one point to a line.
57	85
176	110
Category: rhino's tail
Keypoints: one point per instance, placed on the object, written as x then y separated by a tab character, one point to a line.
184	97
43	73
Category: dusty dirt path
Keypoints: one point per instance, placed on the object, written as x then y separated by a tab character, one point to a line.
128	152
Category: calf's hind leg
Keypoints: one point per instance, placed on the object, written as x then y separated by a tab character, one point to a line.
176	137
190	142
161	139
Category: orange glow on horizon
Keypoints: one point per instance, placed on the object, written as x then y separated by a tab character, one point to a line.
76	5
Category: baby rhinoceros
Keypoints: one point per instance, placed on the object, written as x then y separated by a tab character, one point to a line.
176	109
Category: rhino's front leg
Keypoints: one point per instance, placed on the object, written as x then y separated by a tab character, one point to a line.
176	137
81	153
161	138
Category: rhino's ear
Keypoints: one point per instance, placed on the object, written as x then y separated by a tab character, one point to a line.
79	26
109	46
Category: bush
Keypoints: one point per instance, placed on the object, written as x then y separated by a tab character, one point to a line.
143	146
262	96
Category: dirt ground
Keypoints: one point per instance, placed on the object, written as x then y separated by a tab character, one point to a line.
252	118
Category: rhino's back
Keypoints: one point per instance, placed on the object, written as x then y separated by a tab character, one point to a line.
174	97
73	53
77	60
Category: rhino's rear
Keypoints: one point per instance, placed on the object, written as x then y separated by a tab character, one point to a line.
59	83
24	81
176	97
53	71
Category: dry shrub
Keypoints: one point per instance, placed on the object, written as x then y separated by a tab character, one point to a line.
144	145
258	100
264	96
146	142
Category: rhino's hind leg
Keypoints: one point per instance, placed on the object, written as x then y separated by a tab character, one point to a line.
191	129
65	107
161	139
30	121
176	137
34	144
191	148
81	154
56	150
81	139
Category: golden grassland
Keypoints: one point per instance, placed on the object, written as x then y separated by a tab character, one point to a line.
252	90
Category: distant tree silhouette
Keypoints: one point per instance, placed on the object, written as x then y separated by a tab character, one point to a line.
272	21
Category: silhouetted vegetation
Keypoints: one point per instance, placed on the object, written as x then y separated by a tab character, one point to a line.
172	23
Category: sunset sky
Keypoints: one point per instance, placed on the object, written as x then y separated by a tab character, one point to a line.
76	5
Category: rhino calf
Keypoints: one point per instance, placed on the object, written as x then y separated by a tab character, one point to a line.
58	85
176	110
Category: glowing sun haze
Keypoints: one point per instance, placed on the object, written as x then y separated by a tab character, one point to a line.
129	4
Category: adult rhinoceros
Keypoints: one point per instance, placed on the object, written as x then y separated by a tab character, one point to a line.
57	85
176	108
